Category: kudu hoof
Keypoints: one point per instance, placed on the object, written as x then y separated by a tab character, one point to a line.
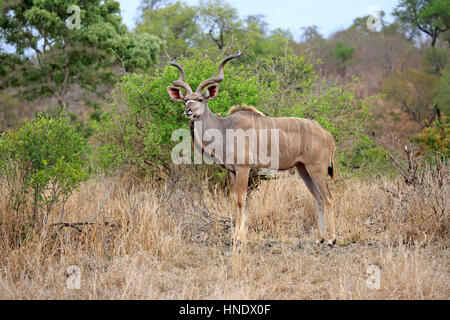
331	243
319	242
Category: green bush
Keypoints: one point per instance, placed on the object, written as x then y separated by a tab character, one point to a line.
366	157
442	98
43	162
435	138
140	134
435	60
342	55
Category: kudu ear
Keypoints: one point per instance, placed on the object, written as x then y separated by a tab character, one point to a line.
175	93
212	91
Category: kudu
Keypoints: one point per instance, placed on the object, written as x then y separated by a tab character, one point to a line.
300	143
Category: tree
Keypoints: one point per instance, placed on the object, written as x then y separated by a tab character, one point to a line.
153	4
52	55
446	36
253	35
415	91
220	19
311	34
175	24
312	39
435	60
342	54
399	29
258	22
432	17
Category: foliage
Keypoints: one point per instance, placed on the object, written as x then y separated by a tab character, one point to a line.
43	162
290	87
435	138
179	29
342	54
220	19
9	111
435	60
141	134
63	56
443	92
276	73
446	36
415	92
365	156
311	34
432	17
210	25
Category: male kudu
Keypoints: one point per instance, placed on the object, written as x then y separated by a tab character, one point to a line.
300	143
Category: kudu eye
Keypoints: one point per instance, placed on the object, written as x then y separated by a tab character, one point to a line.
201	100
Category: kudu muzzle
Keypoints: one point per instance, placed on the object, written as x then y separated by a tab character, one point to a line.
187	111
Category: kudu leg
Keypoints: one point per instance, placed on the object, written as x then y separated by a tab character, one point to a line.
319	200
318	175
233	192
241	185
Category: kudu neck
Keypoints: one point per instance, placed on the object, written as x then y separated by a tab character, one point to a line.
210	119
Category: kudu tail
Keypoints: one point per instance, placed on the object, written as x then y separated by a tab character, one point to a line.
331	166
331	170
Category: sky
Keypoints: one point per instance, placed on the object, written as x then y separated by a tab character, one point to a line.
328	15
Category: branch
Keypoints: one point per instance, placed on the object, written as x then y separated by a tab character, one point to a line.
121	59
75	225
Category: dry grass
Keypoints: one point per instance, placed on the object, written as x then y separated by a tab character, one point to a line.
169	243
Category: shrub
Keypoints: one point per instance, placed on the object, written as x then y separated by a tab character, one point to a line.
442	98
42	163
435	60
435	138
417	208
140	134
9	111
415	92
365	156
342	55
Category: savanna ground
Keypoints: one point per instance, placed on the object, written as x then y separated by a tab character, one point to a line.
169	240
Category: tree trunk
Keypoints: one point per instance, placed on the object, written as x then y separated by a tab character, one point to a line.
4	118
433	40
36	209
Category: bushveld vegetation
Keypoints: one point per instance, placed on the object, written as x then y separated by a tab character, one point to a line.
87	179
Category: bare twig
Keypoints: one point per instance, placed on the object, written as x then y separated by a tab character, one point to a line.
75	225
175	177
121	59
